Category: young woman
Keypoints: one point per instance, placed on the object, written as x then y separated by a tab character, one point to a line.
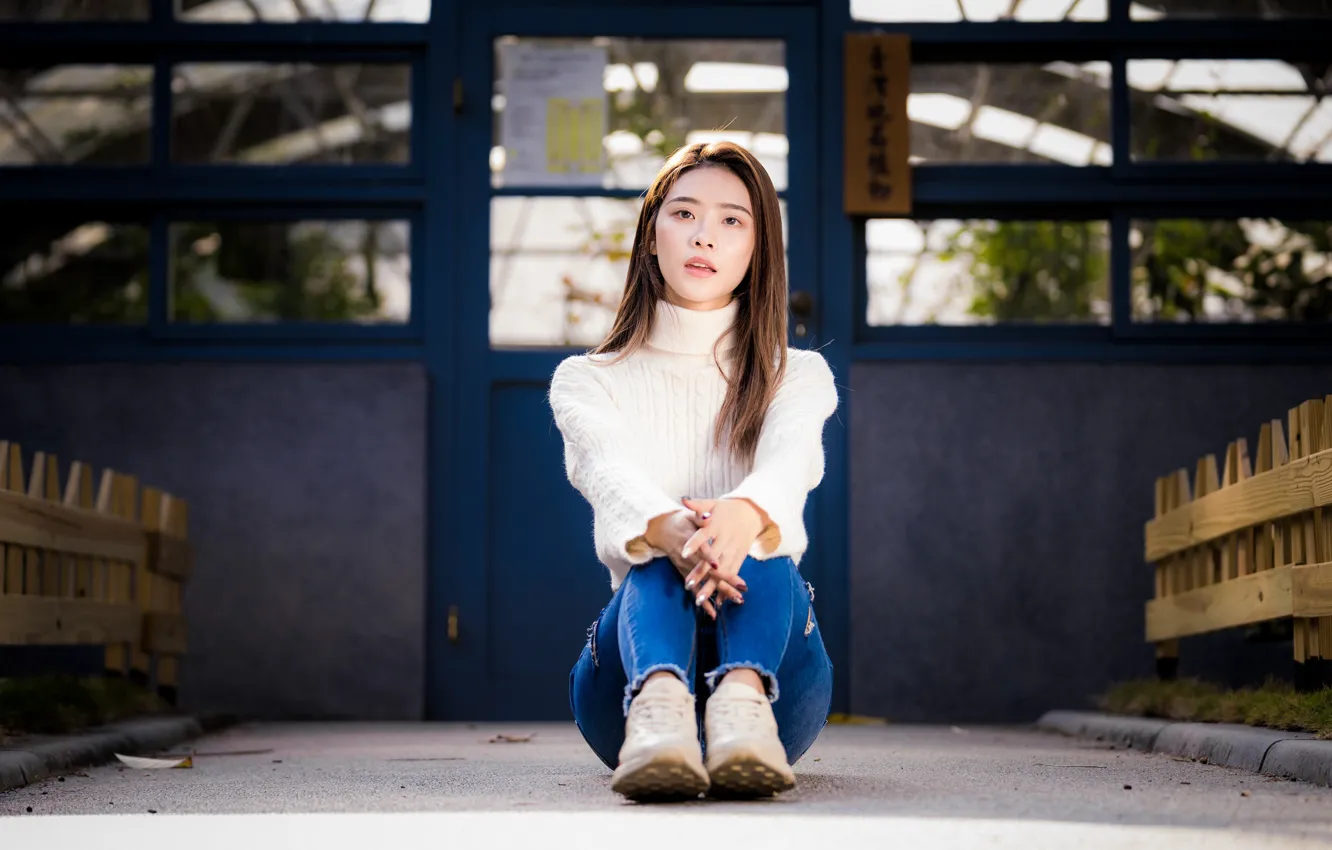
696	435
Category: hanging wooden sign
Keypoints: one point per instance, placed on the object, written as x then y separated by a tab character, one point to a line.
877	80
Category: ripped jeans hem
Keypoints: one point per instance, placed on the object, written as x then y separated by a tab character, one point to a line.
769	678
631	690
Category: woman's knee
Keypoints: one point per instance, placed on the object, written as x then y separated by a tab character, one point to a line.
776	573
652	574
594	703
802	719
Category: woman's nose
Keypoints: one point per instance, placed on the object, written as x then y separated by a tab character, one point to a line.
703	240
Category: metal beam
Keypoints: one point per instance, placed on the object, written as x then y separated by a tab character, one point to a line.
82	40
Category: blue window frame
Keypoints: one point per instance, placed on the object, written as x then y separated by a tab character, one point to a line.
162	191
1122	192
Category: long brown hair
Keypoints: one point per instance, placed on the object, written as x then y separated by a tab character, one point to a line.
759	330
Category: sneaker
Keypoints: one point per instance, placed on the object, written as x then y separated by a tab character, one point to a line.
745	756
661	758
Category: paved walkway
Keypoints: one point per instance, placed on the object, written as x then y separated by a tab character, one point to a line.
354	785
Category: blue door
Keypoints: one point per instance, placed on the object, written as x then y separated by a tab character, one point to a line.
540	265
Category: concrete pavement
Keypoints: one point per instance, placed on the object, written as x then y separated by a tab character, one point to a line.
335	785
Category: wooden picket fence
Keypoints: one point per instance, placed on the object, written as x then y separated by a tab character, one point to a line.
95	568
1249	544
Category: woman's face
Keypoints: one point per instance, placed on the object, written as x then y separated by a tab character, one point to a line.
705	234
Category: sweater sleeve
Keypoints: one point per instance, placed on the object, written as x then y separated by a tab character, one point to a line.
789	461
600	463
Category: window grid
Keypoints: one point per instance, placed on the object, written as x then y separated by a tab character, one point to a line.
1120	192
1117	193
163	191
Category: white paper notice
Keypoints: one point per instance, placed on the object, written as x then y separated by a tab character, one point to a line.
554	117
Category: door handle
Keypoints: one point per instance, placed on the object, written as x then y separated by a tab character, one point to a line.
802	308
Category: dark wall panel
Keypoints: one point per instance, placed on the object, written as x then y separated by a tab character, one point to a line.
307	489
997	515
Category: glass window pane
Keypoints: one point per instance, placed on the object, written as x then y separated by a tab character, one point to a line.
660	94
70	270
74	10
295	271
557	267
949	272
1155	10
290	11
280	114
948	11
1055	113
1245	270
76	114
1231	109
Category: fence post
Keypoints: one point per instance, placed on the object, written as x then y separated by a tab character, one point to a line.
116	497
1306	433
78	494
171	562
11	478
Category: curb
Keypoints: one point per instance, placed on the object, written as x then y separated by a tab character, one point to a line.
132	737
1270	752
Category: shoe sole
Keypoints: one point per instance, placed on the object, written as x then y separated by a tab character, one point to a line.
742	776
662	779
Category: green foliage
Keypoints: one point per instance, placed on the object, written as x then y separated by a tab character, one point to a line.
1275	705
55	704
1042	271
108	284
1285	276
289	275
313	281
1056	271
643	114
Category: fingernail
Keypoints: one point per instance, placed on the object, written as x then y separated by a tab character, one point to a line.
689	585
698	600
706	515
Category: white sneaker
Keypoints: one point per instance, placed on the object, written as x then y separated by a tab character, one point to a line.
661	758
745	756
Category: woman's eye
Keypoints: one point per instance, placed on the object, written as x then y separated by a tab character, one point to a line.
733	220
683	213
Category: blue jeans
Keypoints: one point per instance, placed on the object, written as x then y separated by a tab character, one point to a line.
651	624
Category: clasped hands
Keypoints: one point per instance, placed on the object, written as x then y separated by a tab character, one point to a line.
708	542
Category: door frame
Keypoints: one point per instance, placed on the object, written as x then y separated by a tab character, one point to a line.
458	685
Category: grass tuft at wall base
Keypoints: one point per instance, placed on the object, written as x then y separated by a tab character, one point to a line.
1274	705
58	704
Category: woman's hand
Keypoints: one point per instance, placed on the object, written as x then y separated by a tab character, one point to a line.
669	533
727	528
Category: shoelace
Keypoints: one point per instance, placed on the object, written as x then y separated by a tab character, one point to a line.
657	715
736	714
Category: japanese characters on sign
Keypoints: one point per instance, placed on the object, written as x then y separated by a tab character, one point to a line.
877	82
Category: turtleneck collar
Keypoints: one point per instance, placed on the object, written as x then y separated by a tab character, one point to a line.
683	331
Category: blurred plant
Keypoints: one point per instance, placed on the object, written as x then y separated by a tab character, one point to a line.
274	271
90	274
244	272
1041	271
1182	270
1187	270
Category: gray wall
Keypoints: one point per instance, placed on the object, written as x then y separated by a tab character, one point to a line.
997	515
307	494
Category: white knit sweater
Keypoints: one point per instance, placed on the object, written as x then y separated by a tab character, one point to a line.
638	436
